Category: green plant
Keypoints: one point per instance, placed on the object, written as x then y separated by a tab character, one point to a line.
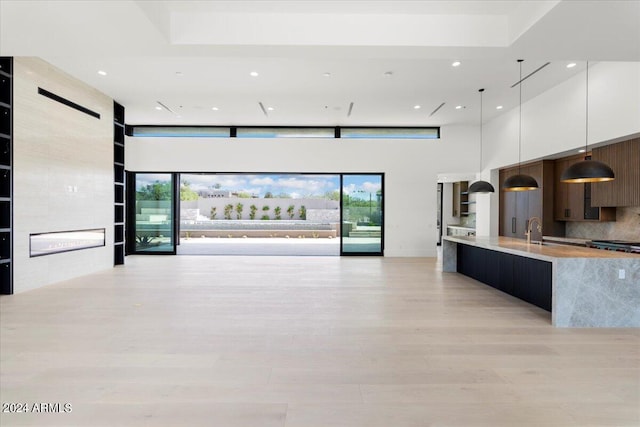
227	211
265	217
291	211
265	208
156	191
144	241
278	212
213	213
186	193
252	211
302	212
239	207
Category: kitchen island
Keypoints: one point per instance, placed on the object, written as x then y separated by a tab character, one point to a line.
582	287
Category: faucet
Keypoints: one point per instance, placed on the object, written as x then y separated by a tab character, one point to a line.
530	228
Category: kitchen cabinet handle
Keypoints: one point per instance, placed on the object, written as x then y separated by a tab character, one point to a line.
513	224
567	213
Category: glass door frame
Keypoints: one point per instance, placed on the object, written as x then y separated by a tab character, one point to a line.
130	226
382	216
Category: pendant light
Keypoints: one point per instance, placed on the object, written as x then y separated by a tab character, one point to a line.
481	186
520	182
587	170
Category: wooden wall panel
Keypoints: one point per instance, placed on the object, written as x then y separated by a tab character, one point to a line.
624	159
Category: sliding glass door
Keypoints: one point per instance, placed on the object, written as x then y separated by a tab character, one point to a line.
154	215
362	214
234	218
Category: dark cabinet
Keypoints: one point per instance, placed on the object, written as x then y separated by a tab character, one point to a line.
525	278
573	202
517	207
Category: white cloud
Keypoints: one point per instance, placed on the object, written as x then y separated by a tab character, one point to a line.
308	186
371	187
348	189
262	181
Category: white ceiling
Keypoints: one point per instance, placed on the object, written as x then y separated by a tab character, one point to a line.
214	45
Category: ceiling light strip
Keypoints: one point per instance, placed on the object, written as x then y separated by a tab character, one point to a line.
264	110
529	75
436	110
166	108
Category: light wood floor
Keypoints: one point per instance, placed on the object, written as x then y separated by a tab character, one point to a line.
305	341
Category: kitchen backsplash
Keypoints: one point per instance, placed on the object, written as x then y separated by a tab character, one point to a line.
469	220
625	227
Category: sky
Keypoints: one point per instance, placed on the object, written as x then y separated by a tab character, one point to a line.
295	185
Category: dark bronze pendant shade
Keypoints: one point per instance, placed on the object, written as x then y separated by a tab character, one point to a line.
520	182
587	171
481	186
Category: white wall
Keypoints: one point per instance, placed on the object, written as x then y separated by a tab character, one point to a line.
554	122
57	148
410	166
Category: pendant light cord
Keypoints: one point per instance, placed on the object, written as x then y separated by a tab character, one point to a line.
481	90
520	120
586	116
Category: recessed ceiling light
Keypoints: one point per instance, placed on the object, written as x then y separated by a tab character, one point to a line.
270	108
499	107
215	108
571	65
458	107
102	73
326	74
456	64
158	108
416	107
254	74
582	150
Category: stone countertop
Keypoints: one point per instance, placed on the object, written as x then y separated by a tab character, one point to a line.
591	287
533	250
567	240
461	227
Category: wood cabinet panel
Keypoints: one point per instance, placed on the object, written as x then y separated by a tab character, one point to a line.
516	208
569	198
624	159
573	202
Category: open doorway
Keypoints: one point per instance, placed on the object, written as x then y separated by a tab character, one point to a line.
255	214
259	214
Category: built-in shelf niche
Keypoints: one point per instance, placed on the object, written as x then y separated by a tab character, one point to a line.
5	151
118	183
5	120
5	215
6	174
